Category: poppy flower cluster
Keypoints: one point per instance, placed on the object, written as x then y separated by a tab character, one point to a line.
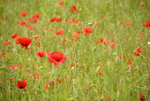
137	52
71	20
100	40
50	28
122	57
6	43
31	20
105	42
14	66
75	34
36	75
74	21
129	64
34	18
98	24
89	88
22	23
53	19
36	37
4	18
56	58
127	24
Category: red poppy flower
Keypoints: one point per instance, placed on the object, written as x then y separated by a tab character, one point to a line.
59	19
56	57
72	64
61	3
33	19
22	84
36	75
64	40
37	15
100	73
41	54
142	33
71	39
4	18
137	52
15	35
14	66
112	44
28	76
21	22
73	9
78	23
39	45
36	37
6	43
71	20
117	9
51	28
24	41
102	15
3	54
53	19
60	32
80	32
88	30
106	43
129	64
60	81
75	34
23	14
142	98
121	20
142	4
146	24
19	66
99	40
122	57
46	86
31	28
51	83
127	24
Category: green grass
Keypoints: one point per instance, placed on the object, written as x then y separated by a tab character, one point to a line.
86	54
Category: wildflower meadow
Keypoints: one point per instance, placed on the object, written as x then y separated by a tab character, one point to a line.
75	50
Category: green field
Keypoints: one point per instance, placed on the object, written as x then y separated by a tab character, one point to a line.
75	50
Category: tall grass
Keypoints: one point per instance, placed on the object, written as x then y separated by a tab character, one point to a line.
99	73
